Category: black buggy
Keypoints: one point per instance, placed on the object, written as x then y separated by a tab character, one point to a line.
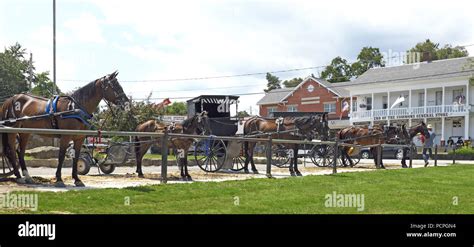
212	155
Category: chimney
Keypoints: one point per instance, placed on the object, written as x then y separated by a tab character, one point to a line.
427	56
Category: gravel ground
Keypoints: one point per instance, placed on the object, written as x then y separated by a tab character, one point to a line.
126	177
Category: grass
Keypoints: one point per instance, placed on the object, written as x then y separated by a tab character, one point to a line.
463	151
405	191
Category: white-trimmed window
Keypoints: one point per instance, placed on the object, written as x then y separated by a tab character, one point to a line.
354	105
292	108
330	107
271	110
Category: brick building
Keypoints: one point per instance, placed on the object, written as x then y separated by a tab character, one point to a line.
311	95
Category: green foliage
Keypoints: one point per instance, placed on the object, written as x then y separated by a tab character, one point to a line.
177	108
463	151
369	57
13	68
338	71
273	82
436	53
293	82
243	114
44	86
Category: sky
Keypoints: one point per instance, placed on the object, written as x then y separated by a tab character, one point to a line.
150	41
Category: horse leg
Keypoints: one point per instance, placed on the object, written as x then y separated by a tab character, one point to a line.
140	151
292	166
404	155
381	156
295	157
21	157
247	157
343	155
63	144
252	161
9	141
374	155
77	148
185	159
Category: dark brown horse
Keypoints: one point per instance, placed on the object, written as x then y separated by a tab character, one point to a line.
85	100
289	128
197	125
362	135
405	137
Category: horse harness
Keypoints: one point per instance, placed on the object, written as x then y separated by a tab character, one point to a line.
81	114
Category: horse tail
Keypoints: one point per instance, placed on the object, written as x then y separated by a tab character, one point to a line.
4	116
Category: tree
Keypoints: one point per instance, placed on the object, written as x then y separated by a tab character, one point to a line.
177	108
243	114
337	71
369	57
13	68
293	82
436	53
273	82
44	86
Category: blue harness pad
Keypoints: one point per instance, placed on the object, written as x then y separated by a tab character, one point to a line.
52	107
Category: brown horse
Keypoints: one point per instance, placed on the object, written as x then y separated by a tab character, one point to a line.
197	125
85	100
362	135
405	137
291	129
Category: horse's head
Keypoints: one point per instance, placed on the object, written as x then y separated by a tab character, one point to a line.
113	92
423	129
203	125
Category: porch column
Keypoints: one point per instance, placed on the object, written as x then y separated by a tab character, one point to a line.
409	103
350	106
444	99
409	122
442	129
388	105
467	95
466	126
372	110
425	100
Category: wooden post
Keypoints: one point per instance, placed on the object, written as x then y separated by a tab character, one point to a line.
379	156
454	154
269	156
436	155
164	157
336	156
412	148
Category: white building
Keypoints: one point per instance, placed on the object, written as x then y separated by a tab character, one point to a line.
437	92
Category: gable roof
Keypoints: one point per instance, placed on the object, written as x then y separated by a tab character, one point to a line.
276	96
426	70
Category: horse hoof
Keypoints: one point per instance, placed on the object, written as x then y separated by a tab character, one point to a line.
141	176
246	171
189	178
255	172
293	174
79	183
59	184
184	179
29	180
299	174
21	180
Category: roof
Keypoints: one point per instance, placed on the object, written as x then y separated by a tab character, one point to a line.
426	70
217	99
276	96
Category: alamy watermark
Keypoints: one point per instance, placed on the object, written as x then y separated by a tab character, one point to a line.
19	201
402	57
335	200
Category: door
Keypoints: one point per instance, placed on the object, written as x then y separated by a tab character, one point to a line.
458	130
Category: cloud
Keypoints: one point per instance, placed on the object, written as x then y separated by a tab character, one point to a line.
85	28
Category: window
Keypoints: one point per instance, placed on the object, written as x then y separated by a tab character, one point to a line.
271	110
439	98
456	94
421	99
330	107
354	106
369	103
384	102
292	108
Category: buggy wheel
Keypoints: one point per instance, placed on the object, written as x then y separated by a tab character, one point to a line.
238	163
210	154
83	164
320	155
6	168
280	156
107	168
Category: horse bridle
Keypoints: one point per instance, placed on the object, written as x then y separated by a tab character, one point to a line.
108	83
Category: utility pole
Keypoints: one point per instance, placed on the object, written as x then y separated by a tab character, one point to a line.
54	47
30	72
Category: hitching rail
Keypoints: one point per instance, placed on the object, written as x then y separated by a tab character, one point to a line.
269	141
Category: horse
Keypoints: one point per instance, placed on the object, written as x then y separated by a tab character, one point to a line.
291	129
405	137
84	101
197	125
362	135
